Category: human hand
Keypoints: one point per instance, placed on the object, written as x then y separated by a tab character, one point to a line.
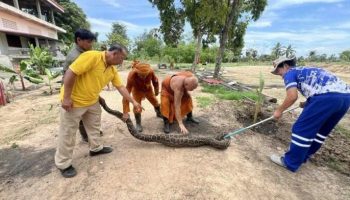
125	116
302	104
277	114
137	107
183	129
67	104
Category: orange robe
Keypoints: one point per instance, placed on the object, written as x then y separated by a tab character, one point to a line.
167	99
141	89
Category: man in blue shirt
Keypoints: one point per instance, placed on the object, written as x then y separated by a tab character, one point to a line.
328	100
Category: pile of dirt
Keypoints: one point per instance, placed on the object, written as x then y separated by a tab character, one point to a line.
334	153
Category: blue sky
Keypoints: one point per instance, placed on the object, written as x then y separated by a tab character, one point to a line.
320	25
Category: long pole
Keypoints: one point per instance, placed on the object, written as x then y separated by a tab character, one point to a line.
229	135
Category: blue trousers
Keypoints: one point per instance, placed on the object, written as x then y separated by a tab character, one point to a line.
320	115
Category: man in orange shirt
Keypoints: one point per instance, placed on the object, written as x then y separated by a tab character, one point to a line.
176	102
139	85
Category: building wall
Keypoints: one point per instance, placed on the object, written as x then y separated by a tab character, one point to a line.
15	24
3	44
4	60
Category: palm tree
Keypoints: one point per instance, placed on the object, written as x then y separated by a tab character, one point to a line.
290	51
277	50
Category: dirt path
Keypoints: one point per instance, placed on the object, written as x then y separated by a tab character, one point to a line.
139	170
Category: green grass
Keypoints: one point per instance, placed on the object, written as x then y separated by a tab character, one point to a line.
343	131
204	102
224	93
335	164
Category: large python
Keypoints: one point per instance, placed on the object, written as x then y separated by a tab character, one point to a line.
173	140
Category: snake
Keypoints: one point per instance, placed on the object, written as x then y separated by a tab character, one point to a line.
172	140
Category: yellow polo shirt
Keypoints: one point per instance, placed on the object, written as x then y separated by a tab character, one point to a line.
93	74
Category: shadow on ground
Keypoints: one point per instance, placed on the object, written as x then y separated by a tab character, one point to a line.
25	163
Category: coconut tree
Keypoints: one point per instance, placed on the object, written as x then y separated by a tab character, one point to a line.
278	50
290	51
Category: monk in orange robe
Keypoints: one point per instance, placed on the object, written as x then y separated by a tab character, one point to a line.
139	85
176	102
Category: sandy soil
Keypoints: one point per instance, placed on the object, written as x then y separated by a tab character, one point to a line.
139	170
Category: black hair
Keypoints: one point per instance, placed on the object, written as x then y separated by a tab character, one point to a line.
290	63
84	35
118	47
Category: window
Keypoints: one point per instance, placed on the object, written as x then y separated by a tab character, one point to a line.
13	41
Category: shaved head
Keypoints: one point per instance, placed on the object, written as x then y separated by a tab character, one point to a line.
190	83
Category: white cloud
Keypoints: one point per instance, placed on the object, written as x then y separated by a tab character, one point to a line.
113	3
324	41
260	24
278	4
104	26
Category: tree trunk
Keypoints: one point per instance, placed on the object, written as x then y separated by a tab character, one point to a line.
224	36
198	51
22	82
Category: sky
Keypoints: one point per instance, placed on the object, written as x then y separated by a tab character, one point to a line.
308	25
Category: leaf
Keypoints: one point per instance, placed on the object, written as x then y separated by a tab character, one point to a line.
56	75
12	79
6	69
48	73
23	65
32	73
33	80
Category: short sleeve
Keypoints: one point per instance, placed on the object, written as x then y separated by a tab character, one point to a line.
85	62
290	79
117	80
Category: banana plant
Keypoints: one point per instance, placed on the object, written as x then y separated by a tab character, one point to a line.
50	77
40	59
22	72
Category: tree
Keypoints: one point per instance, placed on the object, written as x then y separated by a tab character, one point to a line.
289	51
236	16
312	56
173	21
149	43
201	14
277	50
345	55
118	35
72	19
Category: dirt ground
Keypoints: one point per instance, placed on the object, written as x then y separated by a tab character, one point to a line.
139	170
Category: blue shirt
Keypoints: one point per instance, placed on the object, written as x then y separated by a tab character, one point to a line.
311	81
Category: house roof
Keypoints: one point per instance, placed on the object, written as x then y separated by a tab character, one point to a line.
56	5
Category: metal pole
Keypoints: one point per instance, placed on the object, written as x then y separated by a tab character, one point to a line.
229	135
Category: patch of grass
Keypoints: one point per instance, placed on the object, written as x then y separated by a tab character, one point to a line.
204	102
343	131
14	145
224	93
335	164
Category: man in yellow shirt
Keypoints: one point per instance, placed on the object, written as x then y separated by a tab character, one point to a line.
83	82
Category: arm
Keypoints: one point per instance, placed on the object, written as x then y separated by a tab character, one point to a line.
291	97
155	84
176	85
69	80
124	92
129	86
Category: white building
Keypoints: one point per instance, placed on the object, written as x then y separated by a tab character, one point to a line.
24	22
